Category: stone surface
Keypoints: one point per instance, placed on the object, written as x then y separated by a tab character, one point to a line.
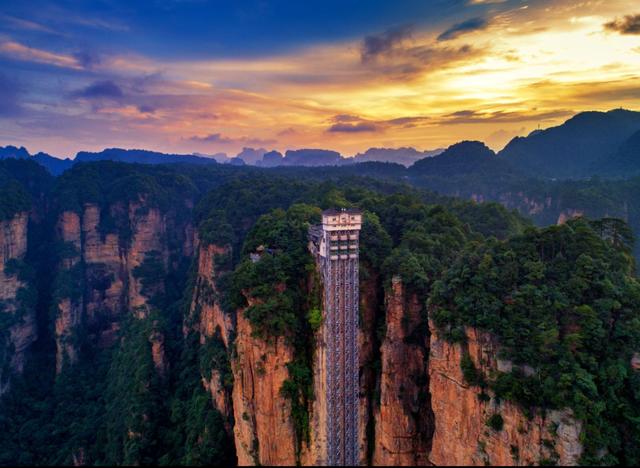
462	436
403	422
107	263
23	332
263	431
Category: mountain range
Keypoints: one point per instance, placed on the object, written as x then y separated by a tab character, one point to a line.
589	144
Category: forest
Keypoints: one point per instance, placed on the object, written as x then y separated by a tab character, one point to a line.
561	300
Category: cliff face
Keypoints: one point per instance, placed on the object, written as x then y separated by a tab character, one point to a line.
17	313
210	318
257	414
209	321
264	432
462	436
403	420
416	409
99	283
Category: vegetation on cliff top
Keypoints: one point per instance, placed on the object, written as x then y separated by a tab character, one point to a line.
563	301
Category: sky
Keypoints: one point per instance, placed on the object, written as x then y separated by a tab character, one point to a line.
196	76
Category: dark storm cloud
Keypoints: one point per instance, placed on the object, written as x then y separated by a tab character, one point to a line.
458	29
630	24
376	45
106	89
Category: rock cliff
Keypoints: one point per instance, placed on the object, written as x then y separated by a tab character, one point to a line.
462	434
107	273
403	420
212	324
17	303
264	432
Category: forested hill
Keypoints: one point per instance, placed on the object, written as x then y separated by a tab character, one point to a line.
127	367
571	149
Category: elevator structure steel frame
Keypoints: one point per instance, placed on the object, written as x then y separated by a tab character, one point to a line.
336	246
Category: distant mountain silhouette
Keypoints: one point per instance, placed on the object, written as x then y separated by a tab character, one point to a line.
404	156
589	144
624	162
271	159
570	150
251	156
13	152
461	158
55	166
141	156
312	157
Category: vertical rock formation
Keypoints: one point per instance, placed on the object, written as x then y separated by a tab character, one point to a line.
462	435
17	309
99	283
205	307
264	432
403	420
261	416
69	300
210	322
315	454
369	306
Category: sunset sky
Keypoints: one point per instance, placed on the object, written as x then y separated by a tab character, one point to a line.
196	76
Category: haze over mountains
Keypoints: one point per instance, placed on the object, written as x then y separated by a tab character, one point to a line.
248	156
590	143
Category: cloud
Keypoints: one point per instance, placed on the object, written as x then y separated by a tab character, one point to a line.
347	123
87	59
146	109
407	122
106	89
406	61
23	24
376	45
218	138
353	127
485	2
458	29
19	51
474	117
630	24
290	131
9	90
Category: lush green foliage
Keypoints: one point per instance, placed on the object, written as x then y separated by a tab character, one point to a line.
20	182
562	301
495	422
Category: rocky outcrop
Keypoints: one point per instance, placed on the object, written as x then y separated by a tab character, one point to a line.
566	215
403	421
209	321
370	301
206	315
315	453
17	309
462	435
98	283
264	432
